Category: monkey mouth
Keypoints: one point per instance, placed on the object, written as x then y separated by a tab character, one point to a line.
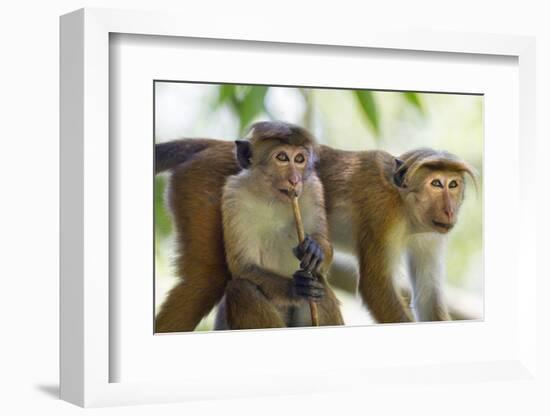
442	225
288	192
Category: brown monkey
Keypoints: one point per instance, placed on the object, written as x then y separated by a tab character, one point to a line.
271	283
380	207
373	210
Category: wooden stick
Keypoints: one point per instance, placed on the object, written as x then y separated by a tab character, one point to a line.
301	237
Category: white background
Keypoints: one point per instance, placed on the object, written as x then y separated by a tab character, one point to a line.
29	205
173	357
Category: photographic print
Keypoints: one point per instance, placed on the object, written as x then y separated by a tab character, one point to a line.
296	206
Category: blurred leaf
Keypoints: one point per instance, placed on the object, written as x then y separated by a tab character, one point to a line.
366	100
226	93
307	118
245	100
251	105
163	222
414	99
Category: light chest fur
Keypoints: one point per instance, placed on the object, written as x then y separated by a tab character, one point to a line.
426	254
265	229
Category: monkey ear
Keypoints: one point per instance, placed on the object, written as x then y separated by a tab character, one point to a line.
398	163
400	171
244	153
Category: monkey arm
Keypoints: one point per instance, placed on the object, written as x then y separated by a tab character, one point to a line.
275	287
378	293
282	290
376	284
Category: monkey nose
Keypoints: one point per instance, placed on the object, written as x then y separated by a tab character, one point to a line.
294	180
449	213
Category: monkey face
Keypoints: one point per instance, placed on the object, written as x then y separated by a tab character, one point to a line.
281	155
284	169
437	200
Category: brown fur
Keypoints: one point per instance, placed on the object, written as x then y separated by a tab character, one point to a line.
246	307
362	180
259	231
194	197
366	183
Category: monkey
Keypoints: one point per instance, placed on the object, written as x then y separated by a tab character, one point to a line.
379	207
432	190
394	208
271	283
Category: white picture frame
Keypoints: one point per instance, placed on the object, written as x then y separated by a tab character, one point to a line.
85	212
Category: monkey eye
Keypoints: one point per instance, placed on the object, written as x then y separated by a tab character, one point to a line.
453	184
282	156
299	158
437	183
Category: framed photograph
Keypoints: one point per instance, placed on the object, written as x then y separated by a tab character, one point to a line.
345	119
158	122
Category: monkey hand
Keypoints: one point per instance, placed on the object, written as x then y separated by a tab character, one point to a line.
307	286
310	254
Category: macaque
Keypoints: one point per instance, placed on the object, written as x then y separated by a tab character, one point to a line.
380	208
271	284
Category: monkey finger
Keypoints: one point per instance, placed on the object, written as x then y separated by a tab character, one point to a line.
304	281
307	287
316	295
314	267
301	273
308	283
301	291
301	249
310	293
307	260
318	284
305	245
313	257
317	260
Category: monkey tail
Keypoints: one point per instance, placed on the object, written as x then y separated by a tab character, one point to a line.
168	155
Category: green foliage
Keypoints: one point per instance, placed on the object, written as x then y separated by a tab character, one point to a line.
163	222
251	105
226	94
368	105
414	99
367	102
245	100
